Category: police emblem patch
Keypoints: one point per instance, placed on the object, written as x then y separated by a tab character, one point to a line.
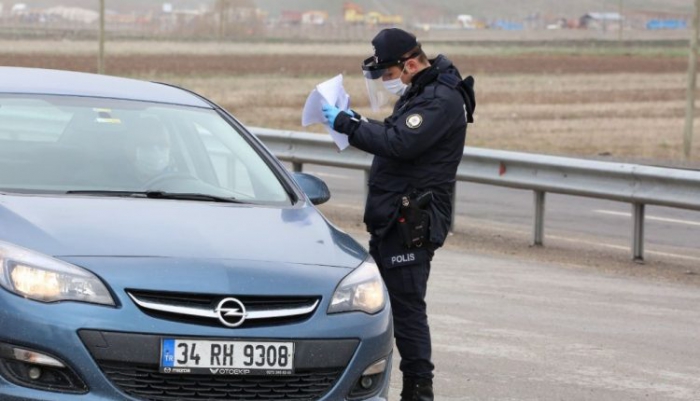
414	121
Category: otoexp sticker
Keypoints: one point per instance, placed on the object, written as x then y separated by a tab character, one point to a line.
414	121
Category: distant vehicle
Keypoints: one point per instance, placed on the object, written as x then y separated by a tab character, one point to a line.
152	249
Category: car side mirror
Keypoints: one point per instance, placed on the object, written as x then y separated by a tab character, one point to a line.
313	187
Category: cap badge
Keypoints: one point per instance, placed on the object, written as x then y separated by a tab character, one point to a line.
414	121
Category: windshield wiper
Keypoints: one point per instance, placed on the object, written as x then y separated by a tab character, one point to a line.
190	196
158	195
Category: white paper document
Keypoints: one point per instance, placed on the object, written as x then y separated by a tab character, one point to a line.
333	93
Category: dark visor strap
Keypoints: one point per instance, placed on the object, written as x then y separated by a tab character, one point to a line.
370	65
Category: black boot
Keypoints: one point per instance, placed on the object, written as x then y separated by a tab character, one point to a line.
409	385
417	390
424	390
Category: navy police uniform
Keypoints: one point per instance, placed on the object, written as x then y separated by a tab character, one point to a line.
417	149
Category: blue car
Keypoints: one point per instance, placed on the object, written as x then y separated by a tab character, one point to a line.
152	249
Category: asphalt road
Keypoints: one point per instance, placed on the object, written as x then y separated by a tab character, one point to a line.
504	329
671	234
510	326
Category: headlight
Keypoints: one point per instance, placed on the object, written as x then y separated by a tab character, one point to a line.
362	290
43	278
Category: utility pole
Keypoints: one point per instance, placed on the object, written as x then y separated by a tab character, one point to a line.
692	84
101	56
223	7
622	21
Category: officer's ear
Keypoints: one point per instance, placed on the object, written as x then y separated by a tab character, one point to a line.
410	66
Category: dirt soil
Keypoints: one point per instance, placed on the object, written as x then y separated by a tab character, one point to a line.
617	106
300	65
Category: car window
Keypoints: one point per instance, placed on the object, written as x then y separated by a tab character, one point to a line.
228	168
32	120
65	143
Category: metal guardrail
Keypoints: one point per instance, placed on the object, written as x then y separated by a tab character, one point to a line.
635	184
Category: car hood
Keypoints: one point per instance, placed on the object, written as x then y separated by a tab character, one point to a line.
69	226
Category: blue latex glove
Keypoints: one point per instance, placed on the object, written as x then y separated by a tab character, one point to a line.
330	112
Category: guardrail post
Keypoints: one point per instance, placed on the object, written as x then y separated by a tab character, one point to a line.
297	167
638	233
538	231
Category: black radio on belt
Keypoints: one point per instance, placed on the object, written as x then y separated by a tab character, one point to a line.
413	220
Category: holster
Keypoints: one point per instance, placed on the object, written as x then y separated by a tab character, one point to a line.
413	219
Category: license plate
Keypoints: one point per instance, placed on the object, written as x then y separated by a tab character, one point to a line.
214	357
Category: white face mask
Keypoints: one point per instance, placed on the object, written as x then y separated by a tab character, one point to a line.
395	86
152	160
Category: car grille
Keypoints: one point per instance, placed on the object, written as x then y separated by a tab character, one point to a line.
180	306
144	382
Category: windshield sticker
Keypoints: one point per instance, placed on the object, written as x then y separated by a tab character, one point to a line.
108	120
104	116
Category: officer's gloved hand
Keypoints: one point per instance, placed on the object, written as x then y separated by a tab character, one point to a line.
330	112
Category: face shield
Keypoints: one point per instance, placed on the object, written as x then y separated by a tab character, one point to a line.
373	73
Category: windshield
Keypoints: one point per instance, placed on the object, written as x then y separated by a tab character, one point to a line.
60	144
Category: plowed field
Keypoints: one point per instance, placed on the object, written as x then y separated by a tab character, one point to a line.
301	65
626	106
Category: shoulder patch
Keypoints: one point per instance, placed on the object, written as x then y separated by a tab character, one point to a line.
414	121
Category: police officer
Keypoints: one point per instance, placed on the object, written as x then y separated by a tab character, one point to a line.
417	151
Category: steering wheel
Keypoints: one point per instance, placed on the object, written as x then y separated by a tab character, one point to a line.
163	178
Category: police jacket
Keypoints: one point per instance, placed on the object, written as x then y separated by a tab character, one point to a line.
418	148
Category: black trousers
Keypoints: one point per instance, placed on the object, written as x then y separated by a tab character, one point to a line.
405	273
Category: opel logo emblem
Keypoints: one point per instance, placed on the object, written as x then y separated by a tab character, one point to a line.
231	312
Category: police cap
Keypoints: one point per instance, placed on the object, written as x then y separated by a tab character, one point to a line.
391	44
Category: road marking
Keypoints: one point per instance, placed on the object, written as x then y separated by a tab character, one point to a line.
663	219
673	255
624	248
513	230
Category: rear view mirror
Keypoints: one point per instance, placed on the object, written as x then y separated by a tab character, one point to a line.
313	187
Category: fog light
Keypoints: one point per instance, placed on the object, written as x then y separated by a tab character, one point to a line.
36	358
33	369
369	383
377	367
34	373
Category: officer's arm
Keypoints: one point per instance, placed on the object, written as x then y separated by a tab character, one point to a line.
415	131
357	116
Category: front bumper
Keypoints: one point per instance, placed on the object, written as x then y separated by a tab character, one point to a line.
91	339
